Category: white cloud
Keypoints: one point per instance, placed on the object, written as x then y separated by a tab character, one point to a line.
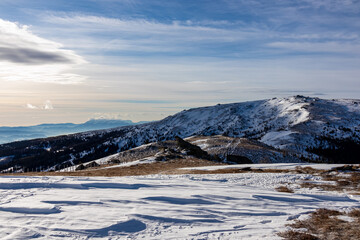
47	105
25	56
30	106
19	45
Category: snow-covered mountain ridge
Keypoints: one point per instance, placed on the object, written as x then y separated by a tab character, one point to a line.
294	123
300	125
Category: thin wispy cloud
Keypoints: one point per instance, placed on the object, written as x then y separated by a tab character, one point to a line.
201	38
149	101
316	47
352	6
144	35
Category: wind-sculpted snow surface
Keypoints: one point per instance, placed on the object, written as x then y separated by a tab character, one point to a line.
233	206
295	124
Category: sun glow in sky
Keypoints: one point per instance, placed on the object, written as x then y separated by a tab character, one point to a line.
69	61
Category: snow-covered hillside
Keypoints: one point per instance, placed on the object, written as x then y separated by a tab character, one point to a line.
299	125
294	123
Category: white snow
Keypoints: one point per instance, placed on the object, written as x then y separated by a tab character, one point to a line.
105	160
277	138
133	163
84	153
100	161
233	206
5	158
200	143
351	104
292	109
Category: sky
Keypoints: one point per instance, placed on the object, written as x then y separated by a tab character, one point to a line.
71	61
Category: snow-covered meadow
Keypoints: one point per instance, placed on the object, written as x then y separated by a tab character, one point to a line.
222	206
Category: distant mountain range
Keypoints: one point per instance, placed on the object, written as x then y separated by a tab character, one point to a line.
311	129
11	134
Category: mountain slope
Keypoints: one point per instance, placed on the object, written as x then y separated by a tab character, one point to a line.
241	150
302	126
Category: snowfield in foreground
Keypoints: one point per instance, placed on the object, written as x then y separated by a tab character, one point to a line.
231	206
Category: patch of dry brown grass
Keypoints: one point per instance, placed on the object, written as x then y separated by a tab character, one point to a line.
163	167
235	170
324	224
295	235
322	186
349	182
355	213
284	189
331	177
355	177
308	170
173	166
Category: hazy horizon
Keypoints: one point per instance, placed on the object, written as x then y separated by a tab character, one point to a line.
68	62
123	119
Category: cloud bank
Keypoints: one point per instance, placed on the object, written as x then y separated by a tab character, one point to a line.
31	56
26	57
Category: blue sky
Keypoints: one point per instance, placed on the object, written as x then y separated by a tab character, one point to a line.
68	61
